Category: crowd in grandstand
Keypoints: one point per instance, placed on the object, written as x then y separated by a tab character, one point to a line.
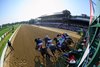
66	26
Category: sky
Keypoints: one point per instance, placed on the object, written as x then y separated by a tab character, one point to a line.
23	10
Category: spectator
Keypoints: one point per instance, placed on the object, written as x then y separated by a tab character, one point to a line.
10	46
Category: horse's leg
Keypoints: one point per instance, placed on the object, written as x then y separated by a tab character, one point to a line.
53	52
58	49
63	48
36	47
42	55
47	55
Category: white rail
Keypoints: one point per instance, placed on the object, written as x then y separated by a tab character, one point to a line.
85	55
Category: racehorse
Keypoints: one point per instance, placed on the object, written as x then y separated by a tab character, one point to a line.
68	40
58	45
50	45
62	41
43	51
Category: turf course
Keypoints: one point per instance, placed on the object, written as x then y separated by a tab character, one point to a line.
4	41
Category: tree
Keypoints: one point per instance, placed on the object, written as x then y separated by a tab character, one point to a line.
67	13
32	21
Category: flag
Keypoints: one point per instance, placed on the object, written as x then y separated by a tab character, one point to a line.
91	11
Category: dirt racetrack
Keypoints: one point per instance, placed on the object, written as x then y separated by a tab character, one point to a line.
24	54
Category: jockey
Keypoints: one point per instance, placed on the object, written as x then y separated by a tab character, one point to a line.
39	43
71	60
51	46
65	35
60	39
49	43
46	39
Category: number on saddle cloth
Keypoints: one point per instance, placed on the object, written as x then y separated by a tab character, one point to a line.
49	43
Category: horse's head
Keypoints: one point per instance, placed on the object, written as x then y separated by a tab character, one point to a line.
35	40
55	39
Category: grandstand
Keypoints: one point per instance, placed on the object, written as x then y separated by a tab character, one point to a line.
65	20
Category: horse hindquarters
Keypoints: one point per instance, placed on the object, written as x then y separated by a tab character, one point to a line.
63	48
58	49
43	51
53	49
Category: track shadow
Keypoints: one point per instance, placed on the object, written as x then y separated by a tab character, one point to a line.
50	62
8	54
46	62
37	62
